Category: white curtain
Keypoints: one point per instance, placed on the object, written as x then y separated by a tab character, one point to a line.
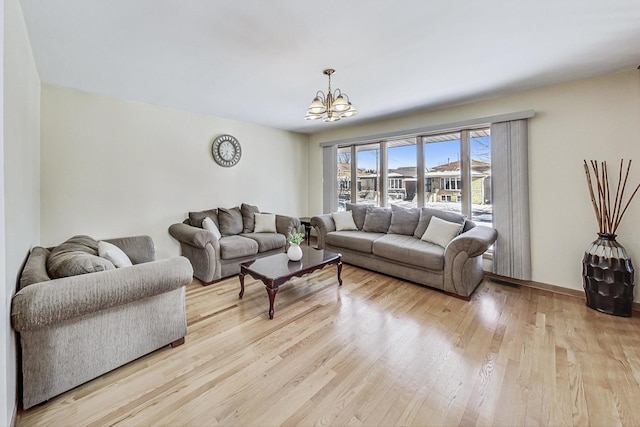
329	178
510	188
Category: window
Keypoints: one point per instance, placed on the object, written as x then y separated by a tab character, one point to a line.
443	168
368	173
401	171
481	204
456	165
344	177
457	180
395	183
451	183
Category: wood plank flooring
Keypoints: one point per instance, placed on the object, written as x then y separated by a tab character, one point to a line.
376	351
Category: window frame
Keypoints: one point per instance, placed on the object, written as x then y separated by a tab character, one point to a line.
383	167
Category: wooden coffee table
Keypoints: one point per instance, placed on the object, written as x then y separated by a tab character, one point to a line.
274	270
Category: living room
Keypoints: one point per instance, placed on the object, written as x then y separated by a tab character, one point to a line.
81	162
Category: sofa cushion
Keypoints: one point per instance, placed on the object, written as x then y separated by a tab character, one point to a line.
377	220
441	232
344	221
403	220
359	212
427	213
267	241
248	221
360	241
237	246
195	218
265	223
78	255
409	250
116	255
230	221
35	270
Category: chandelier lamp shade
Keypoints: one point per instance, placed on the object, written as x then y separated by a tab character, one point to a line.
330	107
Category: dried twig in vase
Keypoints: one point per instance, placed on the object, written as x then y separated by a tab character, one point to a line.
607	216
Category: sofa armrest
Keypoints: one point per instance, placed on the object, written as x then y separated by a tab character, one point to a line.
323	225
193	236
287	224
139	249
474	242
46	303
463	262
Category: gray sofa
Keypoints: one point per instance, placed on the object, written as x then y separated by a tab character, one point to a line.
214	258
389	240
73	329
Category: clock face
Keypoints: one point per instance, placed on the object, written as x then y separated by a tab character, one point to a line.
226	150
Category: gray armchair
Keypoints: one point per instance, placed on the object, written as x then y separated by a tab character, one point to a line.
73	329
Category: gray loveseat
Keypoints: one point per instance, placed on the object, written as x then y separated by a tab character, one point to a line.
390	241
217	254
75	328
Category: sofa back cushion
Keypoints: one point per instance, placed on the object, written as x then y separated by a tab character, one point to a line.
78	255
248	217
195	218
404	220
35	270
359	212
427	213
230	221
377	220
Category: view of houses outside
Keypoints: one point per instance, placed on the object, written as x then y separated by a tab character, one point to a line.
442	176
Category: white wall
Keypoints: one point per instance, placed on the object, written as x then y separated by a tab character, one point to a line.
597	118
112	167
21	175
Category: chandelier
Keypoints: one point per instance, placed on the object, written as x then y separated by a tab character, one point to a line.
331	107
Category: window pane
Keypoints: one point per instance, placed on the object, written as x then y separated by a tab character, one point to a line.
368	164
481	204
344	177
443	177
402	162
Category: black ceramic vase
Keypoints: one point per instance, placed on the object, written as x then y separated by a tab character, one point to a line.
608	276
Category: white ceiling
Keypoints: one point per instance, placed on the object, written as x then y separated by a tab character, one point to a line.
261	61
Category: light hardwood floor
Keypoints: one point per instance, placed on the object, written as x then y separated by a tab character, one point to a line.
376	351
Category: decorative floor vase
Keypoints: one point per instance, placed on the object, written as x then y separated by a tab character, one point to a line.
607	275
295	252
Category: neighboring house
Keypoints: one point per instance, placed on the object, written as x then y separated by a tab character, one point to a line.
443	183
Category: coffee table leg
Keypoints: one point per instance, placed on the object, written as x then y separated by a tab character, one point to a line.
272	297
340	272
241	276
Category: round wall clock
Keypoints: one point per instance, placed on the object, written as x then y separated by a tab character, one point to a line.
226	150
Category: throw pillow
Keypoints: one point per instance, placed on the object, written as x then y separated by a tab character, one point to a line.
359	213
344	221
208	225
265	223
377	220
441	232
427	213
114	254
248	221
403	220
78	255
230	221
195	218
